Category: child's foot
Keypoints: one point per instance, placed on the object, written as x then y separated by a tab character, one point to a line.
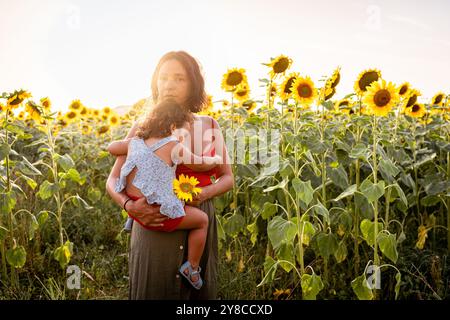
193	276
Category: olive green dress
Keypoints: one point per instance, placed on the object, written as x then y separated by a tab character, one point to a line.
155	258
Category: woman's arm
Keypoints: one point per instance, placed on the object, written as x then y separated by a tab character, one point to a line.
147	214
119	147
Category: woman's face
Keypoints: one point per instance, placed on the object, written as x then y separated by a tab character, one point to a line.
173	82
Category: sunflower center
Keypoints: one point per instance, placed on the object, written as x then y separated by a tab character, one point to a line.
382	98
304	91
186	187
336	81
330	94
367	79
403	90
71	115
234	78
281	65
411	101
241	93
287	87
415	108
343	103
438	99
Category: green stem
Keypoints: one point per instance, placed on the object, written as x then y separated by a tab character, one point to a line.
386	217
448	204
57	195
375	181
357	182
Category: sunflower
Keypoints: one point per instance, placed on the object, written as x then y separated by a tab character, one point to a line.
106	110
225	103
249	105
365	79
242	92
344	106
279	65
33	111
285	90
327	93
416	111
273	90
403	90
16	98
96	113
411	98
114	120
86	129
335	77
233	78
84	111
46	104
438	99
102	129
75	105
303	90
381	97
21	116
184	187
71	116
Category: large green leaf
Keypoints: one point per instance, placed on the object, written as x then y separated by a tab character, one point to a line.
311	285
270	268
338	176
389	168
320	210
4	150
234	224
347	192
63	254
66	162
286	252
74	175
361	289
280	230
303	189
388	245
269	210
46	190
372	191
7	202
253	228
16	257
368	230
341	252
308	232
359	151
327	244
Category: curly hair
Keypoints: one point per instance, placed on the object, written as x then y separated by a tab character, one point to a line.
198	98
158	122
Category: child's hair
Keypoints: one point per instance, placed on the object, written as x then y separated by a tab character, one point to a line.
161	117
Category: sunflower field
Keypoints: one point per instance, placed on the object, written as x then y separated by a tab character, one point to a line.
356	207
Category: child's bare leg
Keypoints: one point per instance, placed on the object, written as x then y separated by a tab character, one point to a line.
197	222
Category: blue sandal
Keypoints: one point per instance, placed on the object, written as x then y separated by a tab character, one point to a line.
187	266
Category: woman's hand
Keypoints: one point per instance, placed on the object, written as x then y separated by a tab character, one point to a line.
199	198
148	215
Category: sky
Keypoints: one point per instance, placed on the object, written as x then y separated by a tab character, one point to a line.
104	52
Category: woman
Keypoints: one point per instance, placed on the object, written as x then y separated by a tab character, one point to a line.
156	256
